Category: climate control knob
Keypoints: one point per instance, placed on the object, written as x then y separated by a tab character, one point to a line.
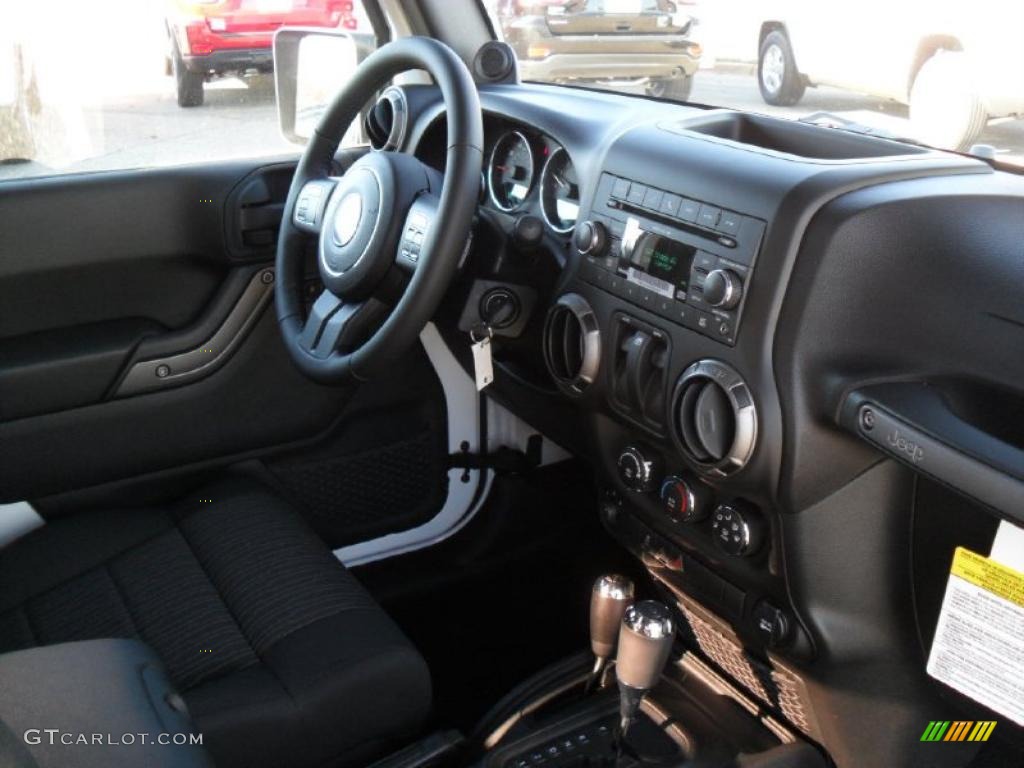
723	289
684	502
591	238
638	469
737	528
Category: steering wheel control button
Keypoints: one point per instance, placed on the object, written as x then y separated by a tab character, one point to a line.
638	469
309	206
737	529
683	502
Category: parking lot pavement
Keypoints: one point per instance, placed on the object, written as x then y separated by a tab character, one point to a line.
239	119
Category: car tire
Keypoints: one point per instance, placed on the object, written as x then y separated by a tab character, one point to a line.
778	79
189	84
946	110
671	88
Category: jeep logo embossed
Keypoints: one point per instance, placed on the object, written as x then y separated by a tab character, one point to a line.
909	447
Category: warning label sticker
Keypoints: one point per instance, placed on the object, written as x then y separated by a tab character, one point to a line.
979	642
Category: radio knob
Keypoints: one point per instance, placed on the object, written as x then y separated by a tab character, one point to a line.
723	288
591	238
637	470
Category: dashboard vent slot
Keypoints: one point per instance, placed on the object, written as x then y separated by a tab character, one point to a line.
714	419
386	121
572	343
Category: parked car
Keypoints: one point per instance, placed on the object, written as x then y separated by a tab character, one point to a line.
212	38
955	70
599	41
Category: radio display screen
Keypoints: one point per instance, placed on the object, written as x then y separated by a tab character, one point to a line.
667	260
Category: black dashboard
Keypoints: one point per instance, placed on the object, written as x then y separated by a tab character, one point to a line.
716	309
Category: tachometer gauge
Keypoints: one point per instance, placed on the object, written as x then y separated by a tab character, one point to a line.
510	174
559	192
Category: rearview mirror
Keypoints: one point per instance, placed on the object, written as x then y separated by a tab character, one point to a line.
310	67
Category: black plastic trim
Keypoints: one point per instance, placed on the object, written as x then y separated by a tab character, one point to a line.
910	422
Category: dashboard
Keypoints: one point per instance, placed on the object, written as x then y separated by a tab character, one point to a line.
716	309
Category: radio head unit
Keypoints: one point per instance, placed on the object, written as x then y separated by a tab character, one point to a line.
683	259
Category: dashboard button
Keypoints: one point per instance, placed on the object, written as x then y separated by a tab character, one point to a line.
620	188
653	199
670	204
708	216
698	320
729	223
637	192
706	261
771	623
688	210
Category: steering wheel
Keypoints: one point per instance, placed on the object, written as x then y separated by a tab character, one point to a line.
389	232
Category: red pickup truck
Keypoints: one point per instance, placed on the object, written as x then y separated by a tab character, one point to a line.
211	38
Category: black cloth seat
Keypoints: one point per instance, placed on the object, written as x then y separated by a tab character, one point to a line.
283	658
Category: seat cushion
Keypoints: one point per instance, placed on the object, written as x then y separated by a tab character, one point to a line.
56	696
281	655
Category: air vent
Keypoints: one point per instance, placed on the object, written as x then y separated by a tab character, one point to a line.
572	343
714	419
385	122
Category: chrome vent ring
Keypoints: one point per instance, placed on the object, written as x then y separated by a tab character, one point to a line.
713	418
572	343
386	122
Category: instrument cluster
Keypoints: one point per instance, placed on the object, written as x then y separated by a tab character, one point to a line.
532	173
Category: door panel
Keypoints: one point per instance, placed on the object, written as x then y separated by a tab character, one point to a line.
105	279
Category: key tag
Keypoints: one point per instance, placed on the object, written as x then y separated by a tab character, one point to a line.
483	367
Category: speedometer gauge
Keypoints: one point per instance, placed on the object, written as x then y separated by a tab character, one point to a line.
559	192
510	174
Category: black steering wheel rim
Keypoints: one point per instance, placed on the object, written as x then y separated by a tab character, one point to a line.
444	240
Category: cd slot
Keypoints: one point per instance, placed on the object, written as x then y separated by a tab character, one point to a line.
715	237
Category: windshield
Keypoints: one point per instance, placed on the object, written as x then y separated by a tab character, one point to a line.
933	73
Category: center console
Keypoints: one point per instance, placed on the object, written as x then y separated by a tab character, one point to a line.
661	332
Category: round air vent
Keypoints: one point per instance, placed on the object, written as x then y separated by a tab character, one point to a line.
572	343
385	122
714	421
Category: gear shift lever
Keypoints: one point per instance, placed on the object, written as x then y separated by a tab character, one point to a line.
645	641
609	599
